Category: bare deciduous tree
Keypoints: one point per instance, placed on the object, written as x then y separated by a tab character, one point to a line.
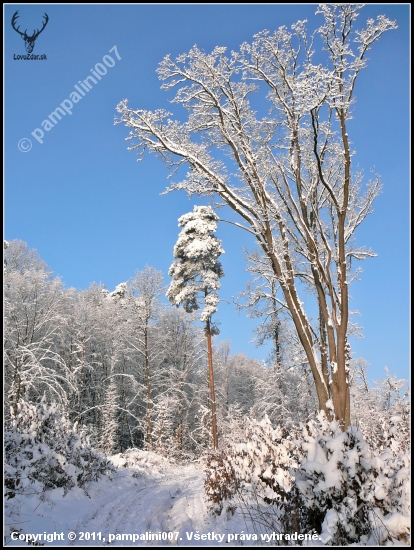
146	289
33	324
289	176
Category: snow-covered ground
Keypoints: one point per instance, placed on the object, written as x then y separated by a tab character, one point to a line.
149	501
152	499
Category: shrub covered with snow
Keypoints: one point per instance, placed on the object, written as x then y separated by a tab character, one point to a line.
144	462
360	493
326	481
260	464
264	460
42	447
221	483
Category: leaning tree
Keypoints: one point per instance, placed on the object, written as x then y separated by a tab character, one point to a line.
288	174
195	274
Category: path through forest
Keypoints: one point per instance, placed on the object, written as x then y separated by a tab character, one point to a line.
173	502
153	498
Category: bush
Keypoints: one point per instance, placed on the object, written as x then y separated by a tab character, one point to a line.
259	467
143	462
360	493
221	484
42	447
327	481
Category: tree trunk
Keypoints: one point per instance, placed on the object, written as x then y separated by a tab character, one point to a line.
211	378
148	382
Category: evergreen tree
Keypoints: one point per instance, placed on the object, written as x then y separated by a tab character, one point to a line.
196	272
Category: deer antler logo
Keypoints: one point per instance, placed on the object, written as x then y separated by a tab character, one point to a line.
29	41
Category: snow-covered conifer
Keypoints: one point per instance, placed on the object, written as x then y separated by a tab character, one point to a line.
196	272
119	293
197	269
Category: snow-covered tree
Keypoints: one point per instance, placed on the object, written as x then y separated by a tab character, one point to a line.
162	435
182	382
377	410
108	439
119	293
88	346
195	276
34	320
290	176
5	246
261	301
146	289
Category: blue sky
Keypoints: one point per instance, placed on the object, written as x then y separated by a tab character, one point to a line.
94	214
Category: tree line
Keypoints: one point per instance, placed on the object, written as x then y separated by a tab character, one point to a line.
134	370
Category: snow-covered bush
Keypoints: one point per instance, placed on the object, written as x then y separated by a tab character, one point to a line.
221	484
326	481
264	460
145	463
359	494
260	465
42	447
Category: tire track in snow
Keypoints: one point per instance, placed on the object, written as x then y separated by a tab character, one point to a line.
172	503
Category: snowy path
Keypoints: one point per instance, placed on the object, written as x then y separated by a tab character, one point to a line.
174	502
148	499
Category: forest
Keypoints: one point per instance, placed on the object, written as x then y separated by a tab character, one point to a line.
125	408
106	372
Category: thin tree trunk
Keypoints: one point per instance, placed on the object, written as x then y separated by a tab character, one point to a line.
17	395
276	327
211	378
148	382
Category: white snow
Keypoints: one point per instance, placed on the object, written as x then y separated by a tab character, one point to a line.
149	496
152	495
